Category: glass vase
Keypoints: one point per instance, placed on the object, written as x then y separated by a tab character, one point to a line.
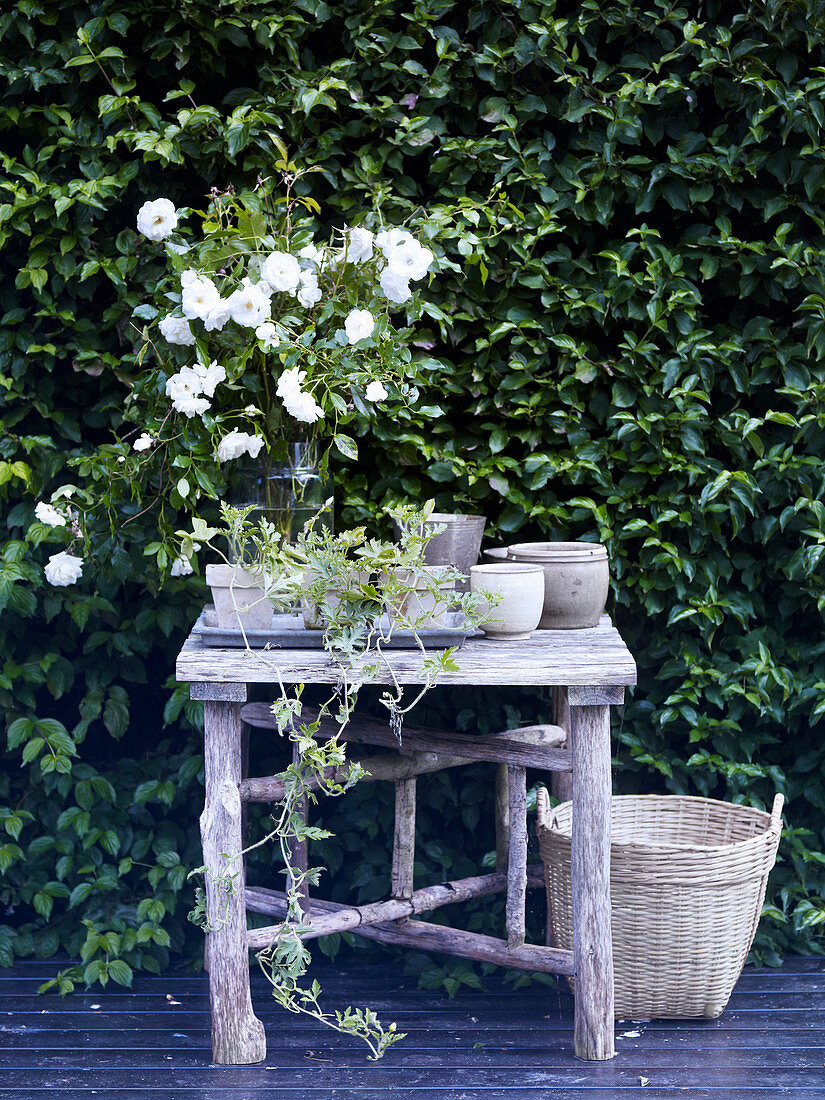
286	487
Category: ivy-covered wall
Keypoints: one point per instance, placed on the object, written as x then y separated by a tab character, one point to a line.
634	355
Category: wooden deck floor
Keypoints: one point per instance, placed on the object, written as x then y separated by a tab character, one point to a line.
153	1041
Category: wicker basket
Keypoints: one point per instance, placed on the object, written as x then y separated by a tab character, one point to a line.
687	879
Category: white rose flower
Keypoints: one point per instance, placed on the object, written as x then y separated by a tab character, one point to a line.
282	271
157	219
248	305
49	515
409	260
359	325
310	254
267	333
186	383
63	568
359	245
375	391
185	389
232	446
290	381
199	297
189	276
181	567
189	405
176	330
143	442
309	292
210	376
303	406
388	239
217	317
395	286
239	443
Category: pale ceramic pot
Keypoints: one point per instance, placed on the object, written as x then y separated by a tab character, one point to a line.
239	597
521	591
424	605
576	581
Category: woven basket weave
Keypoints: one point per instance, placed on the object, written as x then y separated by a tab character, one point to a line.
687	880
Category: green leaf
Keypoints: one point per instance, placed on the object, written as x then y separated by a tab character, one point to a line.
347	446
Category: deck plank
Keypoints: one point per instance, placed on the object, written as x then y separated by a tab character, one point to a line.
122	1044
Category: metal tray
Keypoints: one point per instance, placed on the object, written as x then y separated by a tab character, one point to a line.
289	632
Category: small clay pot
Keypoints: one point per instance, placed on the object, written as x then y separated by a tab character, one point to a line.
313	619
422	606
521	588
239	597
576	581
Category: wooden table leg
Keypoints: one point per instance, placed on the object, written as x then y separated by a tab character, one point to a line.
516	855
592	945
237	1035
403	844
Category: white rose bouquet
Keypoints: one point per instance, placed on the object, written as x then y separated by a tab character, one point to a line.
260	331
260	327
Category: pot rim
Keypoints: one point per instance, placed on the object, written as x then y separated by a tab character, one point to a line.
221	575
455	519
508	567
555	551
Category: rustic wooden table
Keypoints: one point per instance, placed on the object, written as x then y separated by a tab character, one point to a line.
589	669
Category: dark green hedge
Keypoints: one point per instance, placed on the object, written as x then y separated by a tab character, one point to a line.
633	354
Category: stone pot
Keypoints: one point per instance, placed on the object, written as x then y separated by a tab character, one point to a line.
239	597
576	581
520	587
423	605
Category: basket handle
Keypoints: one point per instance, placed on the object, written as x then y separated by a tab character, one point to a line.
776	813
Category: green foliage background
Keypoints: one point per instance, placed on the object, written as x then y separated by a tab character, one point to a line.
634	355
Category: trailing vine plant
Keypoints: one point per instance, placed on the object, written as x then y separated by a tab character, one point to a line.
360	592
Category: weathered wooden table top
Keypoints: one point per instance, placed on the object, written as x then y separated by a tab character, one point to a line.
566	658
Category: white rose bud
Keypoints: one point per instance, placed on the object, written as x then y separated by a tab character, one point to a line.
143	442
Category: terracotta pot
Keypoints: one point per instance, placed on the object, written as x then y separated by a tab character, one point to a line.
576	581
521	588
313	619
239	598
423	605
